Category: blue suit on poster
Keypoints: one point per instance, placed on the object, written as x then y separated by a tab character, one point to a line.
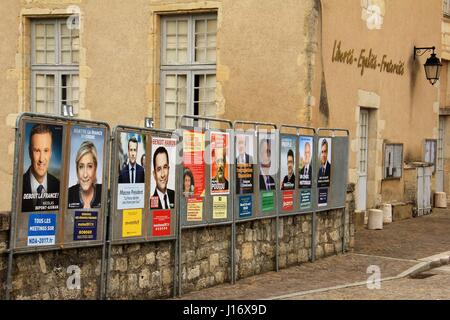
124	175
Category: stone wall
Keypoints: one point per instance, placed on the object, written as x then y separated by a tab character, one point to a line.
146	270
142	271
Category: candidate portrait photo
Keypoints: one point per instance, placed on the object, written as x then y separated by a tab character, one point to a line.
163	165
42	166
131	152
86	167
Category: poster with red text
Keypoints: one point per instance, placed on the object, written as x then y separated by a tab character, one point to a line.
194	163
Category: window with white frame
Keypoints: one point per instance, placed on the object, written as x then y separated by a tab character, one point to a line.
54	65
393	160
188	66
430	152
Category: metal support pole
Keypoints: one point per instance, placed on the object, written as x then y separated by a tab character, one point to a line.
233	217
13	219
180	271
103	265
9	275
277	251
313	237
176	271
233	251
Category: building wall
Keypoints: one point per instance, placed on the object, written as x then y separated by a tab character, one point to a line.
268	67
405	106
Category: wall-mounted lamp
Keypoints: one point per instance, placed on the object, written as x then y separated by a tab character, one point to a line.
432	65
67	110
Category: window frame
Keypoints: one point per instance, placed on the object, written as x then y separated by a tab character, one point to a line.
435	142
190	69
385	145
446	8
57	69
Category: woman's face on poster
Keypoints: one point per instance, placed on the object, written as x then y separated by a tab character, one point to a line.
86	171
187	183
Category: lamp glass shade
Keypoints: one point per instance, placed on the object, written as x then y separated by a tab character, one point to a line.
433	68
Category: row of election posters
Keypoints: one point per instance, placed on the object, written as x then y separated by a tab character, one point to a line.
63	166
136	164
46	161
248	157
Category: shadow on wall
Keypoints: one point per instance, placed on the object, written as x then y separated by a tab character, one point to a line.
414	67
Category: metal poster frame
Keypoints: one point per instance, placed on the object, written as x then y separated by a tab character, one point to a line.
297	210
333	184
66	123
207	199
256	201
146	211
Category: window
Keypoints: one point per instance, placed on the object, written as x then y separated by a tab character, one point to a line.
54	65
393	160
430	152
446	7
188	67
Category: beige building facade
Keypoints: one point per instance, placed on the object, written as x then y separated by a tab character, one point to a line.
329	63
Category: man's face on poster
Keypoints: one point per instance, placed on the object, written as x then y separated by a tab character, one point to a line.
307	154
220	163
265	153
324	154
161	171
241	144
290	165
40	154
132	151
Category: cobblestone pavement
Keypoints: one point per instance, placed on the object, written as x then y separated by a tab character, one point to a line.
331	271
430	285
394	249
408	239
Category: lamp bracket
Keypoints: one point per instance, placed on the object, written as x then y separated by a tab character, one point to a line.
420	51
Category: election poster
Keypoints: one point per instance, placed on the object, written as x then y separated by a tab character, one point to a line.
161	223
131	187
245	206
41	229
194	209
85	225
288	200
194	163
244	163
287	163
324	174
219	163
267	161
42	156
305	163
305	172
219	207
132	223
85	167
162	181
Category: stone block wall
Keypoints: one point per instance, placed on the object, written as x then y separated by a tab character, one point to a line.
46	275
205	257
146	270
141	271
255	247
